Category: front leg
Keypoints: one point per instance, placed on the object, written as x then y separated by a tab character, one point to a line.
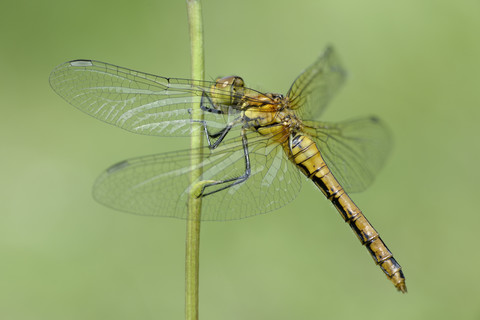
206	105
227	183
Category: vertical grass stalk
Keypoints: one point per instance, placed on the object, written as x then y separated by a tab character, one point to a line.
192	246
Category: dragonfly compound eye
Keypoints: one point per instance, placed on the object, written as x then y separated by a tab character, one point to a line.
228	90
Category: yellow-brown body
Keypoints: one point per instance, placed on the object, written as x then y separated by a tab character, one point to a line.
272	117
158	185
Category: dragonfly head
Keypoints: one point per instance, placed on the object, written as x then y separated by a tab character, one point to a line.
227	91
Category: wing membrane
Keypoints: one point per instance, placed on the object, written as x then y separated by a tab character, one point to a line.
316	86
354	150
159	185
135	101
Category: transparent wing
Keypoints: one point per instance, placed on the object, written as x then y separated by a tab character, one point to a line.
354	150
135	101
315	87
158	185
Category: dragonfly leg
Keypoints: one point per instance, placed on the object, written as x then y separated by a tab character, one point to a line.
221	134
224	184
206	103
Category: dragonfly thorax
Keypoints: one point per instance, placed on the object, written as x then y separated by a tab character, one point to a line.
271	116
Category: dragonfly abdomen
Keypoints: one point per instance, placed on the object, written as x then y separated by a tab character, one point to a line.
304	153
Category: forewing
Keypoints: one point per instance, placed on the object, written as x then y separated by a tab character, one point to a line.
354	150
135	101
158	185
316	86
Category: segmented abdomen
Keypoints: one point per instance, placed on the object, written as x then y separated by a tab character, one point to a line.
304	153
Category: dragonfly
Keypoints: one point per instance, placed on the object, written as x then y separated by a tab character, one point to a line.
257	145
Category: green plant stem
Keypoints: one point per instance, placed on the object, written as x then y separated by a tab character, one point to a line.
192	247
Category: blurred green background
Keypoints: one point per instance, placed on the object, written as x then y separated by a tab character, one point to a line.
413	63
